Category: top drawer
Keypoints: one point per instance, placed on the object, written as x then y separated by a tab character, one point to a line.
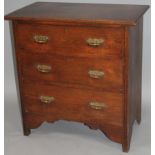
71	40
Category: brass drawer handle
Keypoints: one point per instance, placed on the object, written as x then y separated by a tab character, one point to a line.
95	74
94	42
43	68
47	99
40	39
97	105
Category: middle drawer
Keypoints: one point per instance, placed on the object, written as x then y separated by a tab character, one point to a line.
103	73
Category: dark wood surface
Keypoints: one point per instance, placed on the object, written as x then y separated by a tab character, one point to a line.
66	51
65	40
73	103
132	80
74	71
70	12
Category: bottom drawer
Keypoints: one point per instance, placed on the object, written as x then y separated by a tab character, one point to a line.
74	104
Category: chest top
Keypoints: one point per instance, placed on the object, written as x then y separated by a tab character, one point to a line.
80	13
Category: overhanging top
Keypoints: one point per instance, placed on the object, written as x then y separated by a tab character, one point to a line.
121	14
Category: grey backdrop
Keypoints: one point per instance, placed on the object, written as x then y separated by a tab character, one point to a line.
72	138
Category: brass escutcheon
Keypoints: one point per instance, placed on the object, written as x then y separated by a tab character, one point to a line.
96	74
97	105
47	99
41	39
94	42
43	68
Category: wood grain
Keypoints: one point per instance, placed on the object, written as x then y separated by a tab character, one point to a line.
71	40
113	132
68	26
73	70
132	80
73	104
80	13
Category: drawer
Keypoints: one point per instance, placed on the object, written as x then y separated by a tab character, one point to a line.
74	104
99	73
71	41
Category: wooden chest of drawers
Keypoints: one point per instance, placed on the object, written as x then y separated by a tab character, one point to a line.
80	62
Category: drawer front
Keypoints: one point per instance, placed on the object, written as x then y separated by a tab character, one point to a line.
102	73
71	41
74	104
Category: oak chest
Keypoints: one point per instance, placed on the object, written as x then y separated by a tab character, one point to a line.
80	62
